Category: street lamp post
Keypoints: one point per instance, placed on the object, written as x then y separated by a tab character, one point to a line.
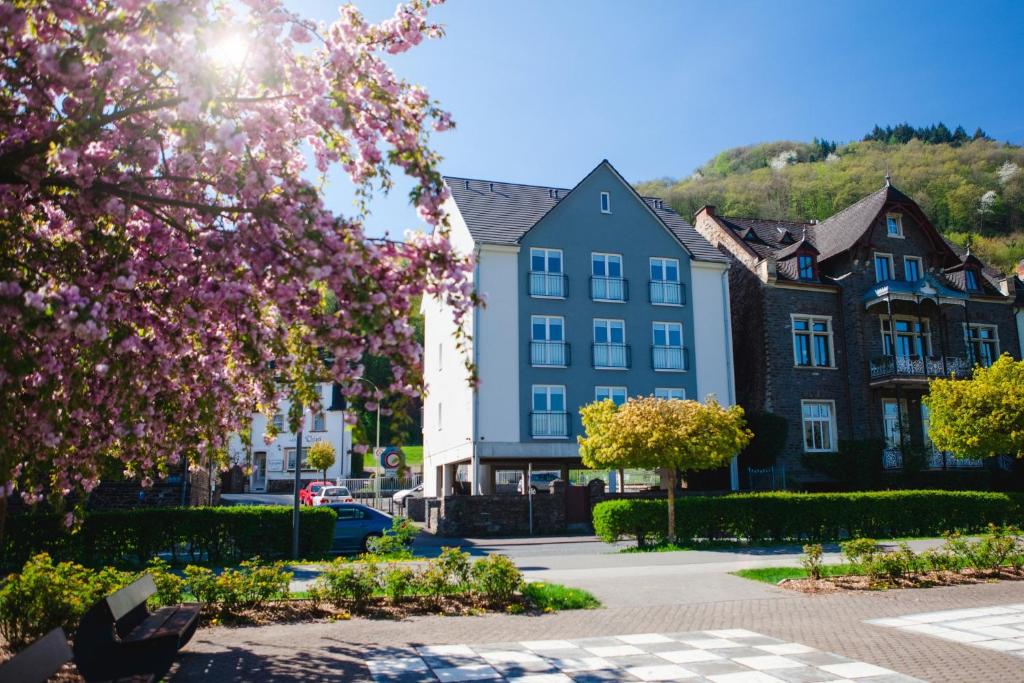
298	483
376	450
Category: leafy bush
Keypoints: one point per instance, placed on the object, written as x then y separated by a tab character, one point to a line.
170	588
220	535
252	585
859	550
395	542
799	517
497	579
812	560
454	564
398	583
348	583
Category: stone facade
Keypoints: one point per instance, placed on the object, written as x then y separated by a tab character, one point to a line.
501	515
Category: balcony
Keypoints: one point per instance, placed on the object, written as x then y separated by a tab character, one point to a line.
549	425
609	288
892	459
550	285
916	368
669	358
611	356
666	293
553	354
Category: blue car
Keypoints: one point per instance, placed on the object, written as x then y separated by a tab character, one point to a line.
356	525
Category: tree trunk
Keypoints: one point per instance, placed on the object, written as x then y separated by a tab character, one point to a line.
671	505
622	480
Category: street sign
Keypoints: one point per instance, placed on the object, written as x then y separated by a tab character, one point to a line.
389	457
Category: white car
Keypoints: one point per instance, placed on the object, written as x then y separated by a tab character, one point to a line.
400	496
333	494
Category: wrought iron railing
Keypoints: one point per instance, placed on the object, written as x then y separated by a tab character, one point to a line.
549	353
918	366
662	292
611	356
554	285
549	424
669	358
892	459
609	288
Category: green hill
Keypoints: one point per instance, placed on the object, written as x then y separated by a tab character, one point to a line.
969	188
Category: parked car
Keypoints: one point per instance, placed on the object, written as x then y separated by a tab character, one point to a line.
400	496
540	481
311	489
333	494
356	525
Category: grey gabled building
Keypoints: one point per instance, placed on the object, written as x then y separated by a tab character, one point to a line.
840	324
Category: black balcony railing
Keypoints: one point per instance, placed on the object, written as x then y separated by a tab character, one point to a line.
917	367
611	355
609	288
671	293
549	424
555	285
549	353
669	358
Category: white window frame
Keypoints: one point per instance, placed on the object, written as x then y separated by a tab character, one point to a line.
925	334
290	467
970	339
898	217
277	419
548	390
920	267
892	265
831	423
610	392
606	257
811	319
667	393
664	262
682	341
322	417
606	202
606	323
546	251
547	320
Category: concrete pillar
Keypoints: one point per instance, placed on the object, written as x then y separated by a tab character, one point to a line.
448	479
486	484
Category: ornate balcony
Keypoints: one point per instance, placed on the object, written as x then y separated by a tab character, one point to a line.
892	459
917	368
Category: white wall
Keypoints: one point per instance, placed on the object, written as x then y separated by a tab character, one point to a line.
499	344
712	334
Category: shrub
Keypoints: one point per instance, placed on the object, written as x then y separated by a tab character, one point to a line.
454	564
170	588
398	583
394	542
497	579
812	560
802	517
859	550
222	535
201	582
348	583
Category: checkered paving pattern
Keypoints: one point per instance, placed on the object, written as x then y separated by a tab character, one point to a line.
998	628
721	656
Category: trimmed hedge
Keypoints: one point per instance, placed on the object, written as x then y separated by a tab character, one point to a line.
779	517
220	535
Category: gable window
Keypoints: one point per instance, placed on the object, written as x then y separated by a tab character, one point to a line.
606	281
610	350
912	268
805	266
911	340
547	341
971	280
812	342
278	421
319	422
665	288
548	418
883	267
606	203
894	225
670	392
667	352
617	395
819	424
546	278
983	344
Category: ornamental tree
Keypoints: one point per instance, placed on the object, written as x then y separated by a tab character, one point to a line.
981	416
163	235
669	434
321	456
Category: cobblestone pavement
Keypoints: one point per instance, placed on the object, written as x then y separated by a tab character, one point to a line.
833	623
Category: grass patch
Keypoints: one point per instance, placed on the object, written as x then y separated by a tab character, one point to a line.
732	545
551	597
775	574
413	455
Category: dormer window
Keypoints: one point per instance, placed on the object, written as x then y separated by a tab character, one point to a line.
894	225
971	280
805	266
606	203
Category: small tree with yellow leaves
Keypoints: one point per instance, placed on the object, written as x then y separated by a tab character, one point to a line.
982	416
657	433
321	456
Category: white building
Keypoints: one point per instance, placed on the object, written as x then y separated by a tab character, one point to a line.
273	463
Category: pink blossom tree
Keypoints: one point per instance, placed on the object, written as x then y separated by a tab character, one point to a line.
166	257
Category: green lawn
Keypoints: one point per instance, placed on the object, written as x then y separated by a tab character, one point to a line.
776	574
413	455
551	597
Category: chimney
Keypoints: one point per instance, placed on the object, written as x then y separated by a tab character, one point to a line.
556	193
492	186
709	209
467	184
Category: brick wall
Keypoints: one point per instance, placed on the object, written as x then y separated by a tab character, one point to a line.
501	515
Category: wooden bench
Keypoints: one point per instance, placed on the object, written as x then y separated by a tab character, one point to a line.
39	661
120	638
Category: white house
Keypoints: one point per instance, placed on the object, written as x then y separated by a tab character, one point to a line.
591	292
273	463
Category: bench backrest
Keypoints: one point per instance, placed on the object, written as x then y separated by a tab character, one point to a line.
123	601
39	661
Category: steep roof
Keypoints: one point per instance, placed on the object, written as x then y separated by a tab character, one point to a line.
767	237
501	213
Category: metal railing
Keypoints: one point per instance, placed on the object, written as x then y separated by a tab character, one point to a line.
892	459
611	355
669	358
609	288
917	366
549	353
551	424
663	292
548	284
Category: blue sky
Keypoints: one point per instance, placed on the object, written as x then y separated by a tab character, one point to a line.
541	91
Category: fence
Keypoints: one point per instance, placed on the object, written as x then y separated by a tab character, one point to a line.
378	492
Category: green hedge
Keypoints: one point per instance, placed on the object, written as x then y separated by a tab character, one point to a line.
779	517
220	535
